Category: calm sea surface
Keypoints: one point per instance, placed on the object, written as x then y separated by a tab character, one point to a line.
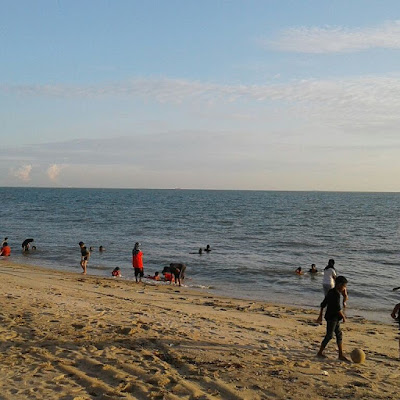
258	238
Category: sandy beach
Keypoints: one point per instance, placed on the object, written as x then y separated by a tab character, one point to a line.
68	336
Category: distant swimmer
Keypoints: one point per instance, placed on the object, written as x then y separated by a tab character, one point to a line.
33	248
116	272
26	244
200	251
137	262
91	249
101	249
207	249
299	271
313	269
85	255
5	250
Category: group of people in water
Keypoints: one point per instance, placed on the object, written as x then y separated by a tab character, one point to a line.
174	273
5	249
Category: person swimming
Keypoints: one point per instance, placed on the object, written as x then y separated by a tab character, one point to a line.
101	249
207	249
313	269
299	271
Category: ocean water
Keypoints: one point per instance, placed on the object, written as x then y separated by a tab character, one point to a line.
258	238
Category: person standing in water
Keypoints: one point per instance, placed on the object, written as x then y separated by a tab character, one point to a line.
85	254
328	281
137	262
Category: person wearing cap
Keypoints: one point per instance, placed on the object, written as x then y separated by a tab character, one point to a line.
137	262
85	254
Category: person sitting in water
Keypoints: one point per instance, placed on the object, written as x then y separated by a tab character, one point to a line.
207	249
116	272
156	276
101	249
168	276
313	269
299	271
5	250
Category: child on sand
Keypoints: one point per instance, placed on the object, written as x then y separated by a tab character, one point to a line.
333	316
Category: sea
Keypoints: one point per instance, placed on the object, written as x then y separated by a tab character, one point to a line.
258	239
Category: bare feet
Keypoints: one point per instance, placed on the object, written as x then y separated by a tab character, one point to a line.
343	358
320	355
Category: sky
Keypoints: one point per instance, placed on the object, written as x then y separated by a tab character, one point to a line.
210	94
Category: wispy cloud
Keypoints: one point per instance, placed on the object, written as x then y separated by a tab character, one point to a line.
23	173
336	39
367	90
367	101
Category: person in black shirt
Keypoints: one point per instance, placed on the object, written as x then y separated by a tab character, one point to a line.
85	254
178	270
333	316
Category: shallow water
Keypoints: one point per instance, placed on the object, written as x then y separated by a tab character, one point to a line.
258	238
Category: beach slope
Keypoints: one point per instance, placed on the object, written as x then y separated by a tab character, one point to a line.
67	336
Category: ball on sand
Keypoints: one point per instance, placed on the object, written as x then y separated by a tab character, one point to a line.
358	356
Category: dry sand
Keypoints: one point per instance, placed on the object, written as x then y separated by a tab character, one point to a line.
66	336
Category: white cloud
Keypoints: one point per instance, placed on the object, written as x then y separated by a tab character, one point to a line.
53	172
23	173
337	39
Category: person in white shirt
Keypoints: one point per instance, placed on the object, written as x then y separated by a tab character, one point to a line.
328	281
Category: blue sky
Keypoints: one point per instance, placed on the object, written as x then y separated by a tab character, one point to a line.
274	95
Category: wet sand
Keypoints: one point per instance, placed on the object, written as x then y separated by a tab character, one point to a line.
68	336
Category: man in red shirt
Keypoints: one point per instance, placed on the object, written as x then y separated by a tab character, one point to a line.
5	250
137	262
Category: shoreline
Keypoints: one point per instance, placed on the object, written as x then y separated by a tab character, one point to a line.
69	336
382	316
